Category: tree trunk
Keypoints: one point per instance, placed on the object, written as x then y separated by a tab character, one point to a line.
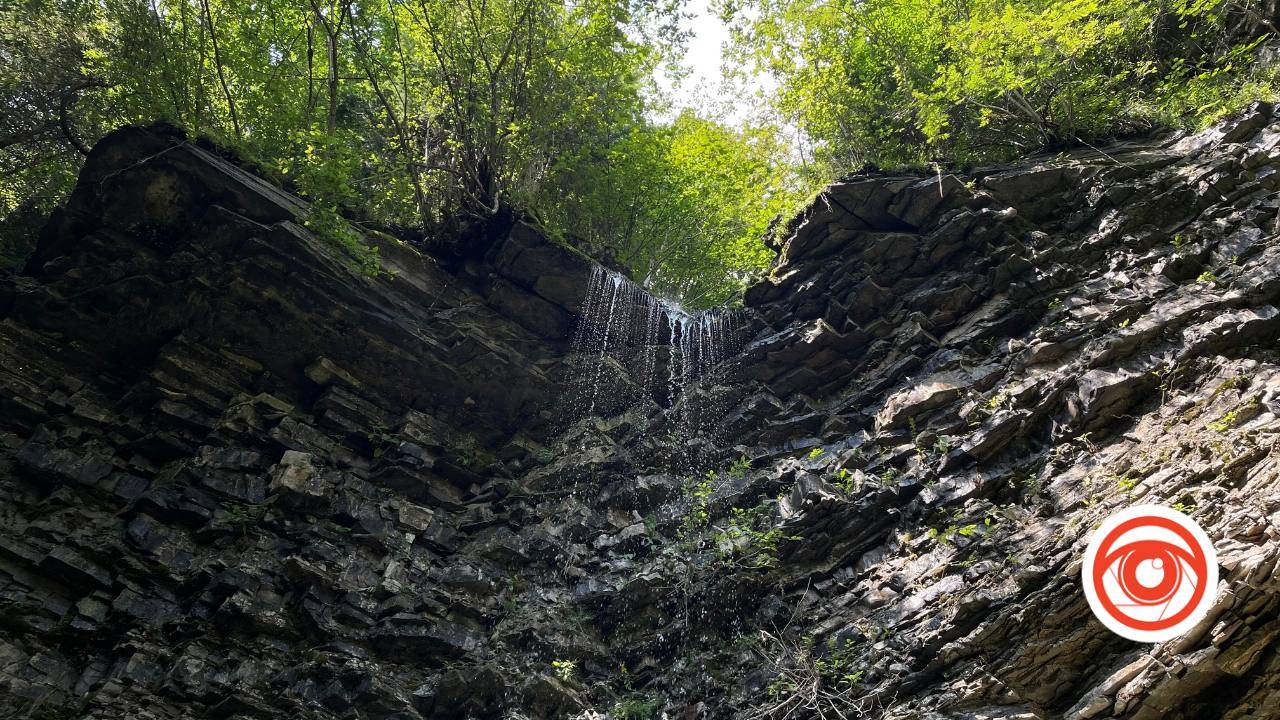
311	77
331	121
332	25
217	63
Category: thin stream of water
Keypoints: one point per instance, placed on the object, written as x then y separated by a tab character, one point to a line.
623	324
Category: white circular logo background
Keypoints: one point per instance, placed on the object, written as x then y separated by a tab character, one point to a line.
1150	573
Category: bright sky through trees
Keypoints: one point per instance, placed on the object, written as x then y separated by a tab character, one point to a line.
734	99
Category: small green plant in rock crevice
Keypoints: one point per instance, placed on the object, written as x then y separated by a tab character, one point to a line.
739	468
922	455
926	453
844	481
888	476
984	409
947	534
650	523
465	457
1237	382
468	453
1226	422
511	597
566	670
781	686
747	538
243	517
379	439
836	668
750	539
805	678
636	707
326	224
697	496
942	445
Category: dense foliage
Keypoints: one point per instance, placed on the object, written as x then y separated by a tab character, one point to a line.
684	205
896	82
431	116
427	114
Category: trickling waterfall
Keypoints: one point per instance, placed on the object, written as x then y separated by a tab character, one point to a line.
624	338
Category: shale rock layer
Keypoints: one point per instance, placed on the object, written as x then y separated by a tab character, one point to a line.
239	478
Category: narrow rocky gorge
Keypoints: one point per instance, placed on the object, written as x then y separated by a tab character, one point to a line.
239	478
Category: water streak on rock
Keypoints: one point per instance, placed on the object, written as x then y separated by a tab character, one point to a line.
624	337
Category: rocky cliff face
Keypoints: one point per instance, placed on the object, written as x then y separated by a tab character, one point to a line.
241	479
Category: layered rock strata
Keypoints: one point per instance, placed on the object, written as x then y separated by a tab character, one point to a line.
242	478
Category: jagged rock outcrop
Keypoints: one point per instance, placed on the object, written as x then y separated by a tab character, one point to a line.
233	462
240	478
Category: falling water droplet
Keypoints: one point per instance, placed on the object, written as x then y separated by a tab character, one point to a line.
623	325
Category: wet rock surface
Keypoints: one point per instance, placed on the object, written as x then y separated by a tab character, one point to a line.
241	479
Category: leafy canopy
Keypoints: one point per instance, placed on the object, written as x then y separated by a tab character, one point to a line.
908	82
430	116
440	118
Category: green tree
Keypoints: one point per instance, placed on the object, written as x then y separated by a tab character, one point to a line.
432	114
45	128
685	205
912	81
